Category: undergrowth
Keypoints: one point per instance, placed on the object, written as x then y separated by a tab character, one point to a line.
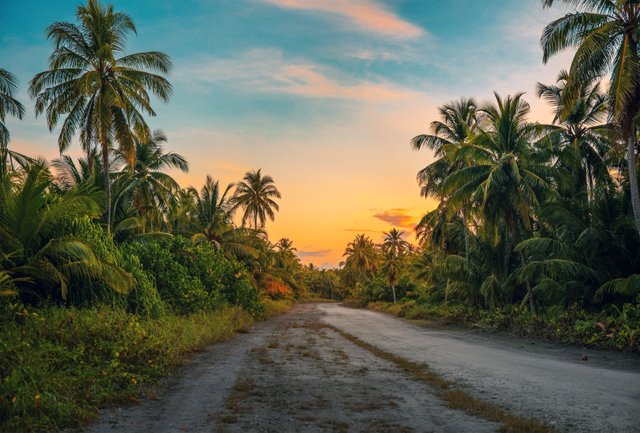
59	365
615	328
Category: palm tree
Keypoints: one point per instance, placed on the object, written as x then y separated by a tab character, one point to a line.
583	139
102	92
508	177
605	33
214	212
395	243
33	252
361	256
391	268
145	187
8	105
394	248
255	194
452	133
70	175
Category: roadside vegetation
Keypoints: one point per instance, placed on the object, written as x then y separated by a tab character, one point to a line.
111	273
537	227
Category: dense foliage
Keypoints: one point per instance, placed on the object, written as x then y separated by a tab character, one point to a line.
538	225
110	271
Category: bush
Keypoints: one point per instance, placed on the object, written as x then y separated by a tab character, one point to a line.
195	277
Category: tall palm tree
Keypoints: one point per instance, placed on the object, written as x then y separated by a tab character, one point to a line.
458	122
508	177
394	248
102	91
606	34
256	194
8	106
582	137
391	267
455	130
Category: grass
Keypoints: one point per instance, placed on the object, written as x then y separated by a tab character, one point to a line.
59	365
273	308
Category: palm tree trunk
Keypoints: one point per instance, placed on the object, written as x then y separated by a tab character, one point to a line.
633	176
532	305
466	233
393	289
107	181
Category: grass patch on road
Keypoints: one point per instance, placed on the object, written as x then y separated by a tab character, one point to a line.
455	398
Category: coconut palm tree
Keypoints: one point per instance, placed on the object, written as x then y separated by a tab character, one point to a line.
508	178
255	194
361	256
583	138
606	34
458	124
395	243
8	106
214	213
145	187
101	91
394	248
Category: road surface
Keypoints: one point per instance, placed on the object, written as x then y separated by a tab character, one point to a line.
295	374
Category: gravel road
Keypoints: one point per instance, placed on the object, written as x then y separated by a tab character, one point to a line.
291	374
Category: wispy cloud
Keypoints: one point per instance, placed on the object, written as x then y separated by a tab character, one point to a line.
367	15
313	254
397	218
266	70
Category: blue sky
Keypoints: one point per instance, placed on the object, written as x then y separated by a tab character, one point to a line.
324	95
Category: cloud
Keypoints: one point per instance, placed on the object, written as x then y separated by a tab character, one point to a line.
318	253
368	15
398	218
267	71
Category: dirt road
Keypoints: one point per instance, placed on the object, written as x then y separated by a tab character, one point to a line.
298	373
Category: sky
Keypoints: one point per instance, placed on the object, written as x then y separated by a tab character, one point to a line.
323	95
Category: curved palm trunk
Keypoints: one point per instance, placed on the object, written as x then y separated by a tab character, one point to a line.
633	176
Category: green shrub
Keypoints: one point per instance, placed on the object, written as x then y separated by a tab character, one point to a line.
195	277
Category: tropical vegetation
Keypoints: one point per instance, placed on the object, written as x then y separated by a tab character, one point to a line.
110	271
537	227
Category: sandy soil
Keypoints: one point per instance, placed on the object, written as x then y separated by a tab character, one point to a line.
289	375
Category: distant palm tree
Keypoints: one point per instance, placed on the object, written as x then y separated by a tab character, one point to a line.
361	256
101	91
285	245
394	248
395	243
606	36
256	194
8	105
214	210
